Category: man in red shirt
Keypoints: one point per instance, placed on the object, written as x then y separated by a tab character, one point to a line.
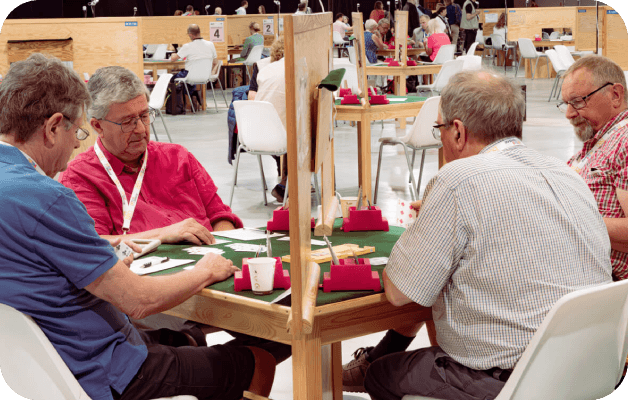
168	195
595	102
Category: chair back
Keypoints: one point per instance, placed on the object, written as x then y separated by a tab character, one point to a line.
527	49
214	77
497	41
565	55
579	351
158	95
445	53
199	71
255	55
30	364
449	69
421	133
259	126
351	73
351	51
150	49
554	35
479	37
557	63
545	36
338	38
160	52
471	51
471	63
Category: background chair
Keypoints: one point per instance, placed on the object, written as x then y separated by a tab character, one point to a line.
471	63
528	51
157	98
420	137
499	44
215	78
560	69
472	48
199	73
565	55
449	69
554	36
160	52
254	56
260	132
339	42
30	364
578	352
445	53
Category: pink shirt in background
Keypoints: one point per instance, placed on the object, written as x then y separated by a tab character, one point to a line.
435	42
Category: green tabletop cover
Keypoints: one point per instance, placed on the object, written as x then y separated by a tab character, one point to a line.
408	99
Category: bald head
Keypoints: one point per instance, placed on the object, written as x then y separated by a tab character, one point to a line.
194	31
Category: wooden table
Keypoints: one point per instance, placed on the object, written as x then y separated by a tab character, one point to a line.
541	69
552	43
391	52
234	51
170	66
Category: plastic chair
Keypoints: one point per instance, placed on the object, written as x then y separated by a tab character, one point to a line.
157	98
545	36
528	51
565	55
449	69
445	53
352	57
339	42
420	137
199	73
254	56
578	352
85	76
554	36
472	48
215	78
160	52
260	132
150	50
560	69
351	73
498	43
471	63
30	364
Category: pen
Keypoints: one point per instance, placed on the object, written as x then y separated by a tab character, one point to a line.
334	258
369	203
355	257
269	250
259	250
359	206
151	263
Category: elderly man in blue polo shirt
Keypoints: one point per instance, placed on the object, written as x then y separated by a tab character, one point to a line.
55	268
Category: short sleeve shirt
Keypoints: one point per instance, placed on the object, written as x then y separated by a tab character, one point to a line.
605	171
271	87
500	237
241	11
435	42
197	49
49	252
370	48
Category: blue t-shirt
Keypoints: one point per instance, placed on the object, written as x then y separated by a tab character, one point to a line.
49	251
370	48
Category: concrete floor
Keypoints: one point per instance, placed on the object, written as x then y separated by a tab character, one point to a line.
205	135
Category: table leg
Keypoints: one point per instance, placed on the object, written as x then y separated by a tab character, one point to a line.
336	370
307	367
364	157
204	97
154	74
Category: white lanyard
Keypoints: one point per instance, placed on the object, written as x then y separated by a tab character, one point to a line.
504	144
30	160
578	167
128	208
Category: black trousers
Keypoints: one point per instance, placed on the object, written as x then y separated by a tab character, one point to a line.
469	38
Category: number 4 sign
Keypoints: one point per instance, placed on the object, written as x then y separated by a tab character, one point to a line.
269	26
216	32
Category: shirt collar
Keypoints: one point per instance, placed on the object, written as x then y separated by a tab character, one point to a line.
619	117
497	142
29	159
117	165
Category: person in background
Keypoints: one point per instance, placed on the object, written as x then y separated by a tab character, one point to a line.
500	27
378	11
341	27
372	41
178	13
533	4
302	9
413	16
382	32
189	11
454	16
242	9
422	10
256	39
435	41
218	11
421	33
197	49
197	12
441	17
470	22
261	10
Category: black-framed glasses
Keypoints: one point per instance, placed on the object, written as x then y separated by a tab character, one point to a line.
579	102
130	124
81	134
436	130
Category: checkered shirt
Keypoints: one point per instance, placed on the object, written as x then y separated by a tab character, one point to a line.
606	171
500	237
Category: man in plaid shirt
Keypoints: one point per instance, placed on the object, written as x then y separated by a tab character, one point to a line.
595	102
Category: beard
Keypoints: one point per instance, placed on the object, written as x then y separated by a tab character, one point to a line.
582	128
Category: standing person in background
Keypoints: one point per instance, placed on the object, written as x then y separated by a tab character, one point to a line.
242	10
261	10
378	11
470	22
454	16
422	10
189	10
302	8
341	27
413	16
500	27
441	17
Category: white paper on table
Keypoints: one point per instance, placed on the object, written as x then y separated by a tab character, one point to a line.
378	260
203	250
245	234
135	266
397	99
218	241
315	242
405	214
246	247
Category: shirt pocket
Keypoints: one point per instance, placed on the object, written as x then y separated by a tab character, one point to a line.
186	198
598	177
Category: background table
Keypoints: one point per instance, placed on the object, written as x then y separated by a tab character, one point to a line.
172	66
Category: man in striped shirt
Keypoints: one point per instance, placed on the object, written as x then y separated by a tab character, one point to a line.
502	234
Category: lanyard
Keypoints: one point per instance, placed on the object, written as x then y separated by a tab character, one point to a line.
504	144
579	166
28	158
128	208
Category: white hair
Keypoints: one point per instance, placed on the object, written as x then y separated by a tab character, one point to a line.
370	24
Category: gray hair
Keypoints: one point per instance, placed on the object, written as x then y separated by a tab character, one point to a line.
111	85
489	105
383	21
370	24
34	90
602	69
434	26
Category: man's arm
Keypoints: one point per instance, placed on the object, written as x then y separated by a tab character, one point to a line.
618	227
394	295
141	296
223	225
174	57
187	230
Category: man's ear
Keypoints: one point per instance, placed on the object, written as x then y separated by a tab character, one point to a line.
97	125
52	129
462	134
618	94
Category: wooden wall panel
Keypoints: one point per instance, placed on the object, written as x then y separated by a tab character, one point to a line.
615	37
527	22
239	27
487	28
62	49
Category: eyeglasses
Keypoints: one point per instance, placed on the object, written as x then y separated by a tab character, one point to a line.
130	124
436	130
81	134
579	102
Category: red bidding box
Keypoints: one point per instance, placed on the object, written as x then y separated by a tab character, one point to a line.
242	279
365	220
350	99
351	276
344	91
281	220
394	63
411	63
379	99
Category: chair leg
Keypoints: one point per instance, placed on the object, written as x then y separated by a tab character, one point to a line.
223	93
535	65
152	126
163	121
261	170
548	70
418	187
214	95
189	97
235	174
413	191
379	167
517	68
553	88
413	156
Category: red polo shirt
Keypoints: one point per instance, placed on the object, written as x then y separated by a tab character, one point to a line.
175	187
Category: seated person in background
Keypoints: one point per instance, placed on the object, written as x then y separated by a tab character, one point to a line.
256	39
178	13
378	11
435	41
189	11
218	11
341	27
197	49
302	8
56	269
372	40
421	33
484	261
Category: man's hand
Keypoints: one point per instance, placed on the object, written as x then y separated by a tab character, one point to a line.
135	247
220	267
416	205
188	229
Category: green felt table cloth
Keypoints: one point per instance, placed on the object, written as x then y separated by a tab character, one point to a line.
382	241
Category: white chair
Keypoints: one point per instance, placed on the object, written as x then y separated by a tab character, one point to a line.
339	42
216	78
351	51
578	352
554	36
254	56
351	73
199	73
472	48
157	98
499	44
420	137
160	52
30	364
449	69
560	69
260	132
565	55
445	53
528	51
545	36
471	63
85	76
150	50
